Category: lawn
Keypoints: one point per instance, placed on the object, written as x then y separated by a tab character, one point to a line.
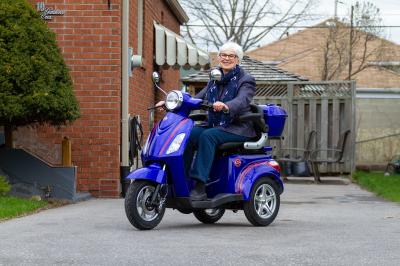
387	187
11	207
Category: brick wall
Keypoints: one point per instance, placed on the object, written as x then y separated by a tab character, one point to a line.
89	35
142	93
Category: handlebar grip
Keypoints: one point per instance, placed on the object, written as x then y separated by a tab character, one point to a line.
155	107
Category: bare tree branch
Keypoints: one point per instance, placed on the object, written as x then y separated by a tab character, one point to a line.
236	19
366	46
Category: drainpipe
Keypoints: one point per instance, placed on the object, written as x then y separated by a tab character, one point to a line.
125	94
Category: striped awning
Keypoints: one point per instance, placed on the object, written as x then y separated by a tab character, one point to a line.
173	50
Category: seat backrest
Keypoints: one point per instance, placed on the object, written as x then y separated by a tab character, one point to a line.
259	125
342	143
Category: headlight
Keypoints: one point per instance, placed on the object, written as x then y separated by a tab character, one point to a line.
176	144
174	100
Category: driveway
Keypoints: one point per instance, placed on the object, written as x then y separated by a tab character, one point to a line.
329	224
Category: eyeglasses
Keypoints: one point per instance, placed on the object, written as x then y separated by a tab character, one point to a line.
227	56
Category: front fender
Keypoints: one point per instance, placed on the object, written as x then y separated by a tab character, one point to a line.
252	173
153	172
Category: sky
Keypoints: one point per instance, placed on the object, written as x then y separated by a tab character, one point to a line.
389	9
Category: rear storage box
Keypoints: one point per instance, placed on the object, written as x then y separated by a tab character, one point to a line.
275	117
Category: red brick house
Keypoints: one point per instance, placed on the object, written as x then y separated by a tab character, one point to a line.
91	36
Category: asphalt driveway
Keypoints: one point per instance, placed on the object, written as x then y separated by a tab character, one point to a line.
330	224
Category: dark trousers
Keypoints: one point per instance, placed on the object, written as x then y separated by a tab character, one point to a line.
205	141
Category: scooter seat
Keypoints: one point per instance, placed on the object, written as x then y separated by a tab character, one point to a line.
236	148
230	145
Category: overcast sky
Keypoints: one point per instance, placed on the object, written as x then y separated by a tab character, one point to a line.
390	12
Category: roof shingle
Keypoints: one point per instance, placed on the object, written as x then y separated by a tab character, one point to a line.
263	73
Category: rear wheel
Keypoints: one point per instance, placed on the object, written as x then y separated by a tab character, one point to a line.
263	206
138	208
209	216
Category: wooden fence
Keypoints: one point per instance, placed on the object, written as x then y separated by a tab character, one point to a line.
327	107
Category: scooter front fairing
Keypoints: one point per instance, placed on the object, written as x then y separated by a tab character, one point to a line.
164	150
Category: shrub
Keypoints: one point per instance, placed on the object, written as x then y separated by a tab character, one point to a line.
4	186
35	86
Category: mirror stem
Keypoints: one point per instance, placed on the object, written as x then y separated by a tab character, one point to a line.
158	87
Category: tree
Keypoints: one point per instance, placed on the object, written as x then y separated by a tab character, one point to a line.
351	46
241	21
35	86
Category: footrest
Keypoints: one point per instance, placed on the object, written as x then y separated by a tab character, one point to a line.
216	201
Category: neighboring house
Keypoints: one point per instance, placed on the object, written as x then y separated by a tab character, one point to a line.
378	85
265	75
303	53
90	36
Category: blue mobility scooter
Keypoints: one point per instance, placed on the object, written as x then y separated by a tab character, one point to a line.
243	176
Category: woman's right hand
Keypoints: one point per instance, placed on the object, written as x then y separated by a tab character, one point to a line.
160	104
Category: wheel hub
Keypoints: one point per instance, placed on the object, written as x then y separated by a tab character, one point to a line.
265	201
146	210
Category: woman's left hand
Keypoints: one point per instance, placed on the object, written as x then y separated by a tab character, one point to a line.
220	106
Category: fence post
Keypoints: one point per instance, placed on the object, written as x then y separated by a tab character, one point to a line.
290	113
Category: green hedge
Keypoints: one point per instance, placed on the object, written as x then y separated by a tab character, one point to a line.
35	86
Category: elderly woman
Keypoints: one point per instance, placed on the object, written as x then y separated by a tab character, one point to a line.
230	98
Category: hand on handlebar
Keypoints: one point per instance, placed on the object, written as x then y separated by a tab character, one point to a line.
160	106
220	106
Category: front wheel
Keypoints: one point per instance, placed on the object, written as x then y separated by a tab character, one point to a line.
209	216
263	205
138	208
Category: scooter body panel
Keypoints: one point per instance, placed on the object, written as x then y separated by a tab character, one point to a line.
251	173
156	150
153	172
235	174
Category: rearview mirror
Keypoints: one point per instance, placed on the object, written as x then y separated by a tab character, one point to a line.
215	74
156	77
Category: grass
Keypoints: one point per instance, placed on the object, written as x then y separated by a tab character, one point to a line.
11	207
387	187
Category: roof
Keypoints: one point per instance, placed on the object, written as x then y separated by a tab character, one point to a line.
178	11
303	53
263	73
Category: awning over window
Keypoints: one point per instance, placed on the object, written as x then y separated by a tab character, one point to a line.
173	50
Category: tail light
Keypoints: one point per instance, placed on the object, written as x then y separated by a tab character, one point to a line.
274	164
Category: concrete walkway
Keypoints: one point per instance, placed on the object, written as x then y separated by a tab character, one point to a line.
329	224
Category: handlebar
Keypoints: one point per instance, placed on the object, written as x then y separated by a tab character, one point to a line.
156	107
203	106
206	106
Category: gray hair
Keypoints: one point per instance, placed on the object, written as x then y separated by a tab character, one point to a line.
232	46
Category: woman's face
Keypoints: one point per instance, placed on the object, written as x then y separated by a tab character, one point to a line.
228	59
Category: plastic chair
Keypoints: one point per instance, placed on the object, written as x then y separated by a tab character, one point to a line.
336	155
301	154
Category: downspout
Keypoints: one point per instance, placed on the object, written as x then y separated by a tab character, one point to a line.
125	94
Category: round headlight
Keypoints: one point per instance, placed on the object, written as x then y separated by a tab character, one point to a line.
174	100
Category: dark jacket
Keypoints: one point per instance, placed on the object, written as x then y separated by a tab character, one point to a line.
238	105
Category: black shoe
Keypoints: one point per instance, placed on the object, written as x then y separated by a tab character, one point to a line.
199	192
